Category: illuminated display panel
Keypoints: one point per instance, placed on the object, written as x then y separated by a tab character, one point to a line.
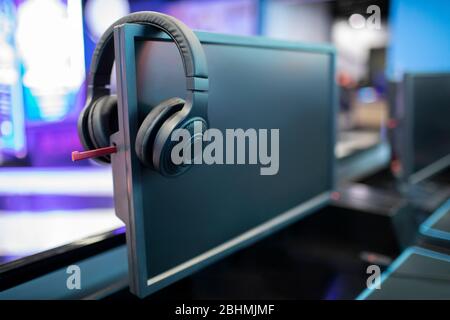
52	55
12	125
427	110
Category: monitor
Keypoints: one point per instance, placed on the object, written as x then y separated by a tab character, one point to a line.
175	226
424	143
12	124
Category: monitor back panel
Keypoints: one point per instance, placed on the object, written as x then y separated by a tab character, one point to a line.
177	225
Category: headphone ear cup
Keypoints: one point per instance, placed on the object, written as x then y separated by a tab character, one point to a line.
148	130
103	120
83	128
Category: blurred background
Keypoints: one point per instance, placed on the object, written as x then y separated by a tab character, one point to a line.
45	51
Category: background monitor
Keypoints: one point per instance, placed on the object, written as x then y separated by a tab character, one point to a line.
177	225
426	101
46	200
12	125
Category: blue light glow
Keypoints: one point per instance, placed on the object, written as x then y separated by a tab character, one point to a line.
419	39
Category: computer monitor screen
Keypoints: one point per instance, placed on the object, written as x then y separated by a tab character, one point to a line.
177	225
427	110
12	124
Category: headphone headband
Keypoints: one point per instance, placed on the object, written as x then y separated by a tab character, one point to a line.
94	133
189	46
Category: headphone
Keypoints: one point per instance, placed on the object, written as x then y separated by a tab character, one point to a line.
153	145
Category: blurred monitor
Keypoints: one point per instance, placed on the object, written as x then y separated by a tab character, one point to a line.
177	225
425	131
46	200
41	81
12	124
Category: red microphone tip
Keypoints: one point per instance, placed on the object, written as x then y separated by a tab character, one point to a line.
77	155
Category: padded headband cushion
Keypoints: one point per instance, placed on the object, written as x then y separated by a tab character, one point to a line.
187	42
